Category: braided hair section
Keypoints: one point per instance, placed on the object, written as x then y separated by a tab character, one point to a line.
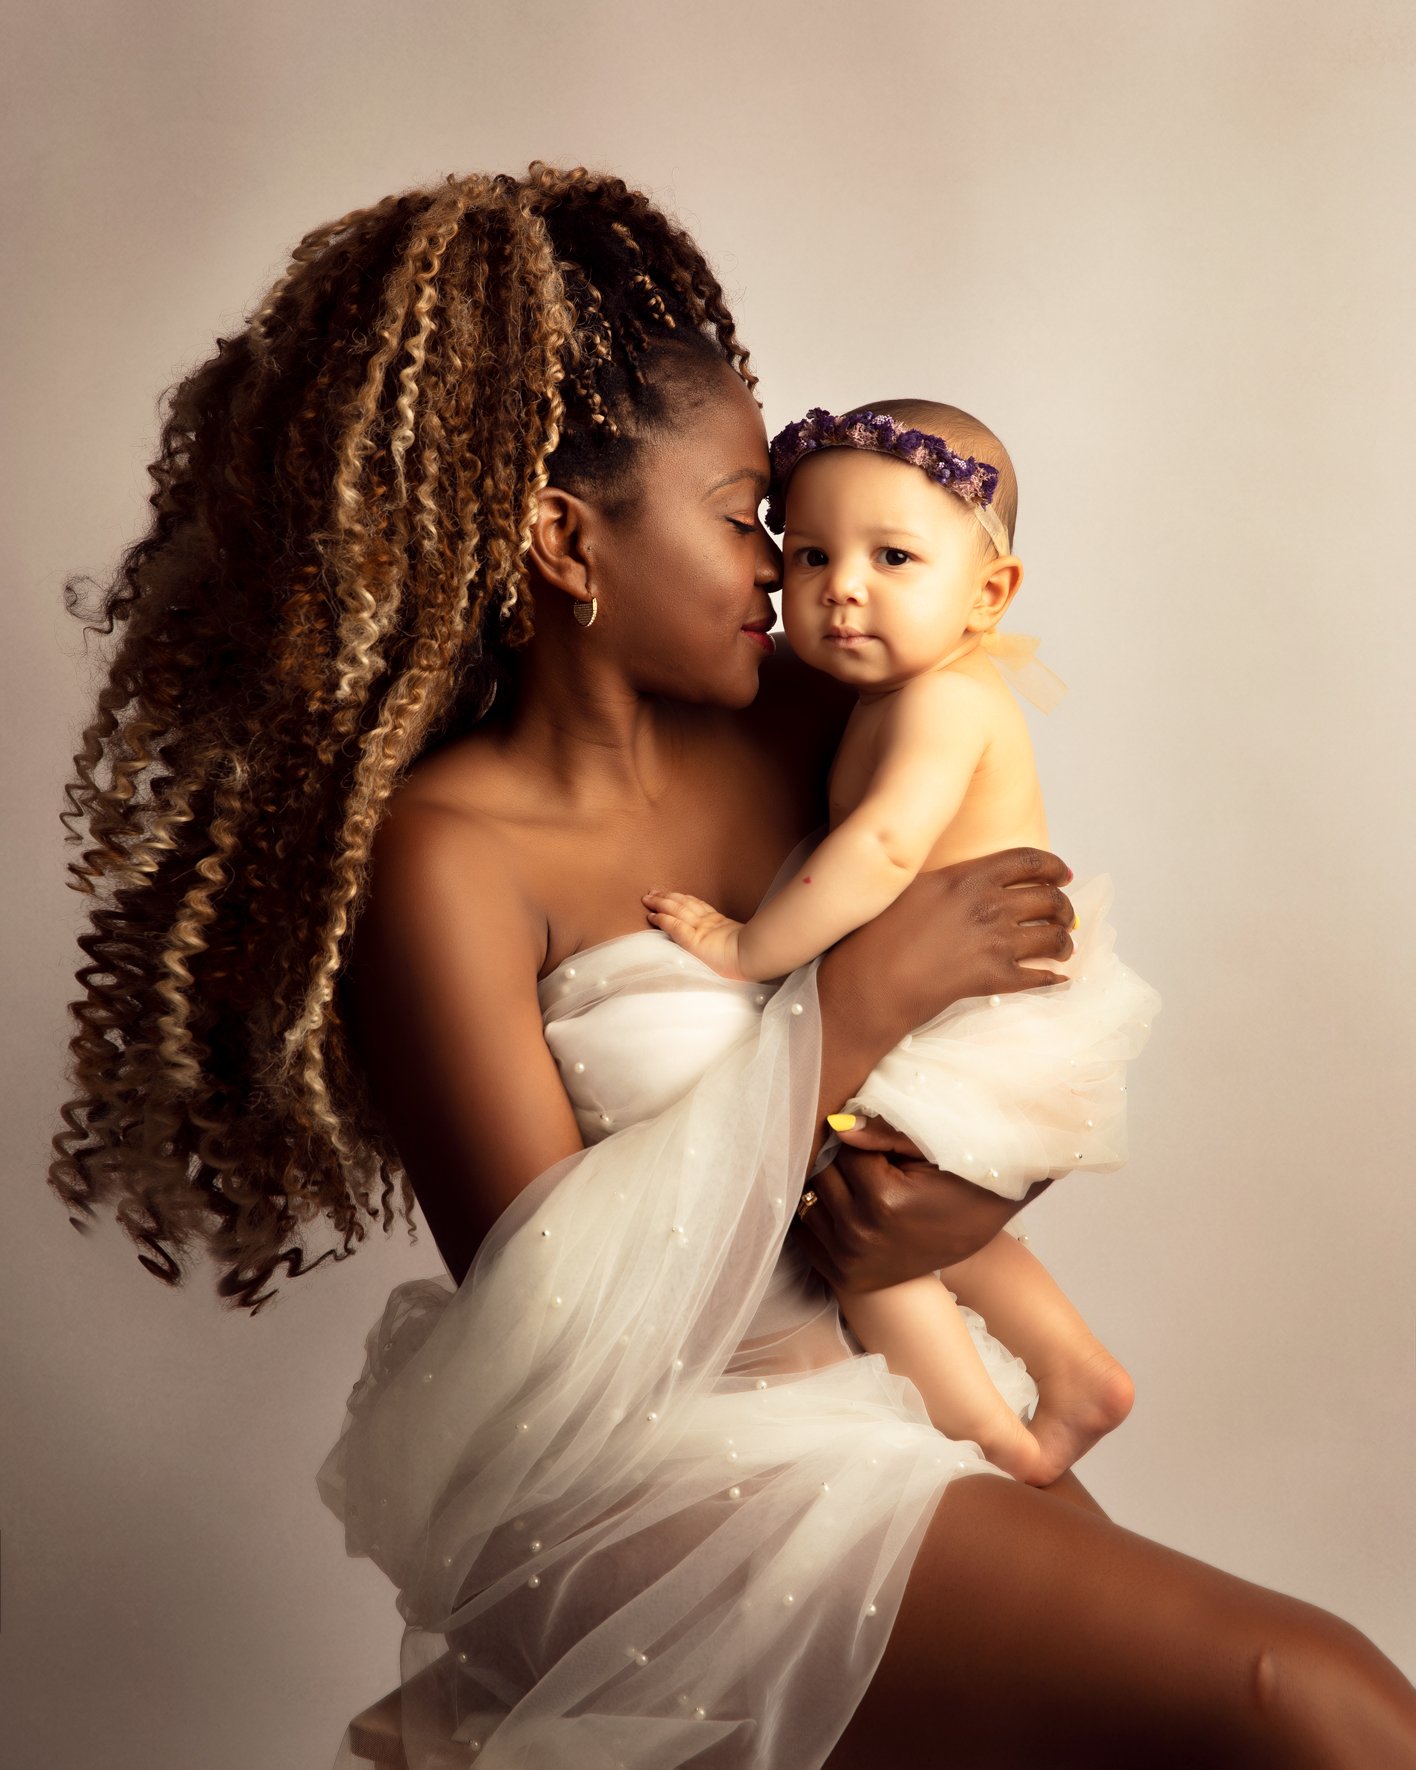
333	577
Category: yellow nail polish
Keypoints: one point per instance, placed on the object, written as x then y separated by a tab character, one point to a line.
1076	922
841	1121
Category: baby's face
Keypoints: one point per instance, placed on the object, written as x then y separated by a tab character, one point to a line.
881	567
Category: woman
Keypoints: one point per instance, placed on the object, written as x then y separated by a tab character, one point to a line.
451	626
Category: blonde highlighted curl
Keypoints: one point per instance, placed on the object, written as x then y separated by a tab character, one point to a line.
333	580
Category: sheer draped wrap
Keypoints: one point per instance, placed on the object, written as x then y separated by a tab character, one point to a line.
644	1500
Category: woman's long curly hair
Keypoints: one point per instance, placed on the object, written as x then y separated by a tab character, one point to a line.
334	578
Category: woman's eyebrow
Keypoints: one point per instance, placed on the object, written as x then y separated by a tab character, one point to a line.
753	473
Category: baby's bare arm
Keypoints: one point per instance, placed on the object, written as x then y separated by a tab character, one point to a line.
930	744
934	734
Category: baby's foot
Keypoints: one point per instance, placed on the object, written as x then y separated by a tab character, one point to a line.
1008	1444
1080	1401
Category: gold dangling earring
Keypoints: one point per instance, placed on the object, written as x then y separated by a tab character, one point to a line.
579	611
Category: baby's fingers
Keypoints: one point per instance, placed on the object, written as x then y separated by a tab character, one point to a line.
677	903
665	909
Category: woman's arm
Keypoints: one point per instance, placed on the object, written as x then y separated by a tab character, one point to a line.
882	1218
959	931
447	1022
964	930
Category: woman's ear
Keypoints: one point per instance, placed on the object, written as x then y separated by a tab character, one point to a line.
559	551
997	588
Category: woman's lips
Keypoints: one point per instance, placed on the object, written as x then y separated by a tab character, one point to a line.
762	639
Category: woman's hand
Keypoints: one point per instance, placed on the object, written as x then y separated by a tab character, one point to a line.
972	929
883	1214
978	928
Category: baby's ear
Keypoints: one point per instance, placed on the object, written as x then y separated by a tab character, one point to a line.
997	587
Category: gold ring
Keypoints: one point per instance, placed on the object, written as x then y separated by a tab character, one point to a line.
808	1199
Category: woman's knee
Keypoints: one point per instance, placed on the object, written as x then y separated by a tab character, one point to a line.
1133	1652
1325	1695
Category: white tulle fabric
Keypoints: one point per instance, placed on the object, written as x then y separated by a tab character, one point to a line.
644	1499
1005	1090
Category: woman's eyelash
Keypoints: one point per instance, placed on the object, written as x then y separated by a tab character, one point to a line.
743	528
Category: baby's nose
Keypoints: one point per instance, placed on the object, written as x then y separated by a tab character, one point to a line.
844	586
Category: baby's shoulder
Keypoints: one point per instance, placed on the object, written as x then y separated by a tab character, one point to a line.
951	696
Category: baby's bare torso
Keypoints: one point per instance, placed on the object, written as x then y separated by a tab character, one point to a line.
1002	807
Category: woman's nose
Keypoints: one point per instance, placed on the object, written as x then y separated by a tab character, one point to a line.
769	563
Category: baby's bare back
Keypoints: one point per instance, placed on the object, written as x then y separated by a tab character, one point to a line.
1002	806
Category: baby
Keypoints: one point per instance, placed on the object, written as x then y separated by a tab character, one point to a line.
897	569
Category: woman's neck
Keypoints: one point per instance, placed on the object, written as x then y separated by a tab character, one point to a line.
593	741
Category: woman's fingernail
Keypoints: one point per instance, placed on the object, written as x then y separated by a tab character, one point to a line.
841	1121
1076	921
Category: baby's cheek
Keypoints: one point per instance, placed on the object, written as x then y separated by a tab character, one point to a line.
795	601
800	633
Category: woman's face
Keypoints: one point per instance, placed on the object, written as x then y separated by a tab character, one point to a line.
683	579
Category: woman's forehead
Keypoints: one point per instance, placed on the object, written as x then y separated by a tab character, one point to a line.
723	439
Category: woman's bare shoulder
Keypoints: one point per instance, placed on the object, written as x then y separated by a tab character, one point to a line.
446	1016
444	877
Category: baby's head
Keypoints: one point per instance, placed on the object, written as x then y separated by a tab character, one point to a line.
897	520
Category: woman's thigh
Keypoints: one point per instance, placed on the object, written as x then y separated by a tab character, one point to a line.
1037	1635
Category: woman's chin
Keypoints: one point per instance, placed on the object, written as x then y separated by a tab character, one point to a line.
731	691
748	692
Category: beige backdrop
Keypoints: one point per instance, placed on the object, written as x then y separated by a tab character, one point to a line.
1167	251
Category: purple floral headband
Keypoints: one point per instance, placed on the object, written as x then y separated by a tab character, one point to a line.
973	481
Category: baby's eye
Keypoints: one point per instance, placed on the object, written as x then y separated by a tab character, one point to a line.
812	556
896	556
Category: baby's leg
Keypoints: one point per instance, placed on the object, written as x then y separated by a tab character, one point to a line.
1084	1392
918	1327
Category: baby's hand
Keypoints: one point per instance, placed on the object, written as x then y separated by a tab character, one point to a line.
698	928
